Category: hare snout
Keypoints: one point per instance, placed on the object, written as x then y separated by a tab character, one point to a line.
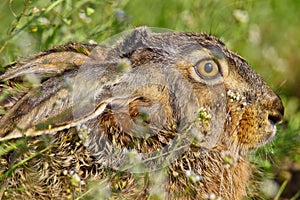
276	112
257	124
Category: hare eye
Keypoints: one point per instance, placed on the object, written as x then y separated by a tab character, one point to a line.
207	69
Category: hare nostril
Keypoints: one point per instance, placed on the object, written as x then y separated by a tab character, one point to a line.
281	110
277	112
275	118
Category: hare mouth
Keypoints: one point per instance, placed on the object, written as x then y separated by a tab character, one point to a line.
269	133
264	136
272	131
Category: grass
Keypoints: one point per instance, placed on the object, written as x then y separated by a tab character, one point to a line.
266	33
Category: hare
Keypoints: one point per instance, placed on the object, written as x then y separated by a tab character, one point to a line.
146	115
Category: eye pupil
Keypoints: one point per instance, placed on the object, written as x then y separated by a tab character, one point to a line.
208	67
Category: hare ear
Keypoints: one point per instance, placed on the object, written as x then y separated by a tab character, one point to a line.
48	109
52	62
50	103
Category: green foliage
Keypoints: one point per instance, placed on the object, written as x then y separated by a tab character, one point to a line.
266	33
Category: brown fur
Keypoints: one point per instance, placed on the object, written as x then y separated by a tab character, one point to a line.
146	93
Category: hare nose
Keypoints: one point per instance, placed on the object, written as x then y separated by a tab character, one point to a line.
276	113
275	118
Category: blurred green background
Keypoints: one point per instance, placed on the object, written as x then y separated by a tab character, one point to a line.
265	32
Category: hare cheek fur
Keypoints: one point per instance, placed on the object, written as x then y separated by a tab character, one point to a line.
178	89
258	114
